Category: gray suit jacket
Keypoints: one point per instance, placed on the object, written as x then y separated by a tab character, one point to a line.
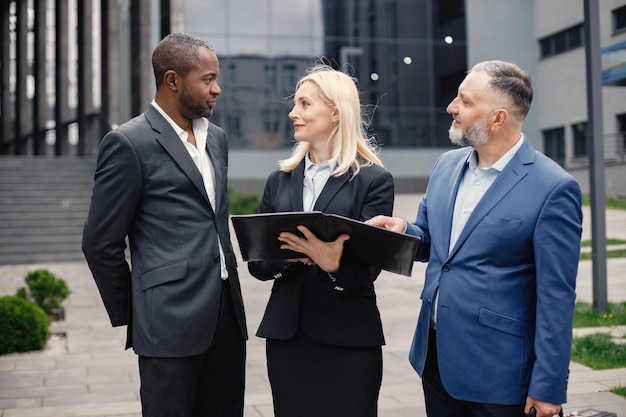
147	189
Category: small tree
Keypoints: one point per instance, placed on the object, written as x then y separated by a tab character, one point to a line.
46	290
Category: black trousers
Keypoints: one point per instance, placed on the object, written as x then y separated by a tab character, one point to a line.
441	404
207	385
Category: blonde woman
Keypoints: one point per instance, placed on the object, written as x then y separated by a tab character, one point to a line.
322	325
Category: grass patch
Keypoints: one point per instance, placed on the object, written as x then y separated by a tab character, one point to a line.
615	253
587	243
611	203
619	391
598	351
586	316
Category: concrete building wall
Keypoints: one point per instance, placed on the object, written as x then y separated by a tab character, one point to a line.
561	90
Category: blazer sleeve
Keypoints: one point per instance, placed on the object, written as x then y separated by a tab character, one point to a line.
557	250
116	191
420	229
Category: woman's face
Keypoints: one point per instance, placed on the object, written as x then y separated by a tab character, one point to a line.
312	117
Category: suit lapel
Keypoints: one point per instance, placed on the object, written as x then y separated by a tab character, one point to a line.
459	171
296	186
512	173
328	192
176	149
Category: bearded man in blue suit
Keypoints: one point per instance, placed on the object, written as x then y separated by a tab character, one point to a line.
500	227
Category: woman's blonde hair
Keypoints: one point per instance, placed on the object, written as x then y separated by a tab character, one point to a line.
351	147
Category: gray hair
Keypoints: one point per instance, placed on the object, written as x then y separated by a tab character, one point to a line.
510	81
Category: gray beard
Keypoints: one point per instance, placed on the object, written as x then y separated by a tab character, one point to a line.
476	134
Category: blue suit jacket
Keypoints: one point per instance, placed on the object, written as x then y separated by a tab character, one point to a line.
507	288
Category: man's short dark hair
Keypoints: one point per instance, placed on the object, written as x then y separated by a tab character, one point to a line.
178	52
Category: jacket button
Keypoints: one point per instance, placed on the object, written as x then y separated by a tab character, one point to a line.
216	259
446	268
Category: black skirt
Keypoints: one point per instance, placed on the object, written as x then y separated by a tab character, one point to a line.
313	379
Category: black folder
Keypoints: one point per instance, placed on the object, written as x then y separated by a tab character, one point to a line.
257	235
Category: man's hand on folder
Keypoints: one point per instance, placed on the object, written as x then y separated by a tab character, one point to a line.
326	255
395	224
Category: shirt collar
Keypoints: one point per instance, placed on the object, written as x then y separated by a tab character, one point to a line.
200	124
331	164
500	163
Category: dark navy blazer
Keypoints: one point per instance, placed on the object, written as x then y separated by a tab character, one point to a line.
341	312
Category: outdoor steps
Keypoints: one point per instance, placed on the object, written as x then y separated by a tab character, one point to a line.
43	205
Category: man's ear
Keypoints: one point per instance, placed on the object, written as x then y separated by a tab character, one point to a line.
499	118
170	79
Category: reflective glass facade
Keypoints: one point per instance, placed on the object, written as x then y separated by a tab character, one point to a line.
408	57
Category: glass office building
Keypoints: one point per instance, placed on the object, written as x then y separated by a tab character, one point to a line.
407	56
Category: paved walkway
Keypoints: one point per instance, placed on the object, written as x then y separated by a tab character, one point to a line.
84	370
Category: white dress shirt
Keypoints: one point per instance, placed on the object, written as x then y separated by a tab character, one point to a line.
203	163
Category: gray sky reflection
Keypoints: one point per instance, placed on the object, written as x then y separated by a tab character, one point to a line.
260	27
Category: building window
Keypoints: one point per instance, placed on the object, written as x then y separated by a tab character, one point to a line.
393	37
271	119
563	41
449	85
232	73
290	77
270	75
233	124
450	10
554	144
619	19
579	132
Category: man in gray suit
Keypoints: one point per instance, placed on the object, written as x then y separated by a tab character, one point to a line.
160	182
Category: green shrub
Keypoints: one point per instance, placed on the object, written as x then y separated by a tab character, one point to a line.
240	203
23	327
46	290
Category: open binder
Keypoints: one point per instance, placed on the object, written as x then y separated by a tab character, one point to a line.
257	235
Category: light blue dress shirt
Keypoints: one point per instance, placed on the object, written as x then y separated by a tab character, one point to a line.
315	178
474	184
